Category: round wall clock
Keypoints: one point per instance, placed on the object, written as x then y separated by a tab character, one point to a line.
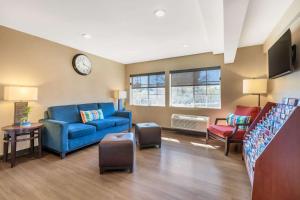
82	64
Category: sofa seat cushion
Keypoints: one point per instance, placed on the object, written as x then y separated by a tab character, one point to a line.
119	120
102	123
224	131
76	130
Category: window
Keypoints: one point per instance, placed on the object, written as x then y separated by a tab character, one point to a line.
147	89
196	88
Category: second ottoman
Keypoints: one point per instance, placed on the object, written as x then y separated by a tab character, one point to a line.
148	134
116	151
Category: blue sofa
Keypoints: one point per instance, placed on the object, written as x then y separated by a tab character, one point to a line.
64	131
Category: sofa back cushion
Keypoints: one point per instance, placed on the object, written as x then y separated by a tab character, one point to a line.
88	106
108	109
69	113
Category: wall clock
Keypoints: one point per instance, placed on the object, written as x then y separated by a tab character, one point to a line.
82	64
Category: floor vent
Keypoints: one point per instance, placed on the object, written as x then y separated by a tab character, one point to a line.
189	122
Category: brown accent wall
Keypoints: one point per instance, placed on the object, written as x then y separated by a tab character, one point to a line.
250	62
32	61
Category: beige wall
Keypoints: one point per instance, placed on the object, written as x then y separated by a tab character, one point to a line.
286	86
31	61
250	62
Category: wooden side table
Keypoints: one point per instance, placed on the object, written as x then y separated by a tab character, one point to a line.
10	136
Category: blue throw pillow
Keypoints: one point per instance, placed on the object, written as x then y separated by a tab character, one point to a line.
233	119
230	119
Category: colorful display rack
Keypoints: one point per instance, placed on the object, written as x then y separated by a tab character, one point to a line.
275	131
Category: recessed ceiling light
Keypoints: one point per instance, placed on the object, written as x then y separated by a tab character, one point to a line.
86	36
185	45
159	13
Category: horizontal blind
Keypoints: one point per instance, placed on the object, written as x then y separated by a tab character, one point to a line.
150	80
196	77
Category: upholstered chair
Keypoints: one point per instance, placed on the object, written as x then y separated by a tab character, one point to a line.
232	134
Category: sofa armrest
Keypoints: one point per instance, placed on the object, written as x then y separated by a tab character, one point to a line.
126	114
55	135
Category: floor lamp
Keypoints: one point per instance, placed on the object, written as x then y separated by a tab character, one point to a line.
120	95
255	87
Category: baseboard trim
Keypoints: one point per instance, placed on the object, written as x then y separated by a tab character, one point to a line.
188	132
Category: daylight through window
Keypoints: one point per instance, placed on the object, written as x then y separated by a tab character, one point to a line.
196	88
147	89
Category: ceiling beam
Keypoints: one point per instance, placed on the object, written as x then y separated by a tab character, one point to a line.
235	12
212	13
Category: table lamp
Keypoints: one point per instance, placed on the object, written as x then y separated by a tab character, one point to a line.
20	95
120	95
255	87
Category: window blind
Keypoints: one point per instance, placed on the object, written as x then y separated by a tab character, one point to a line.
195	77
150	80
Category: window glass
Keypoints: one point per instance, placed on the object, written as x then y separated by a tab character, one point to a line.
199	88
148	89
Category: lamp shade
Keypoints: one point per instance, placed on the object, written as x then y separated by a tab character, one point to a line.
20	93
255	86
120	94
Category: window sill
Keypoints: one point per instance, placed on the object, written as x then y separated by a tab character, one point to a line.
148	106
175	107
194	108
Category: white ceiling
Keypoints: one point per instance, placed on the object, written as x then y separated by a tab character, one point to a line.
129	32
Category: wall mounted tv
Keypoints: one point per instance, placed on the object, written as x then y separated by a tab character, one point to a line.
282	56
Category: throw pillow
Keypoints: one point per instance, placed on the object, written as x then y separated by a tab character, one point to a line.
233	119
230	119
91	115
242	120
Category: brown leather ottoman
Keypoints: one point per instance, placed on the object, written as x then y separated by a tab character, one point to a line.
116	151
148	134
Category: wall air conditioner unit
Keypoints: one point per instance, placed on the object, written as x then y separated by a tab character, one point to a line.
189	122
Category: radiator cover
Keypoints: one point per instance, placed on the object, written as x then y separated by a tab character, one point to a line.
189	122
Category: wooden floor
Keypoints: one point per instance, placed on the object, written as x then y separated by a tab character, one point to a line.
184	168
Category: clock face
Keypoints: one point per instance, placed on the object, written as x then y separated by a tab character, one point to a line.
82	64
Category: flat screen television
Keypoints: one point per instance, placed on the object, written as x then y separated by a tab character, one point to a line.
281	56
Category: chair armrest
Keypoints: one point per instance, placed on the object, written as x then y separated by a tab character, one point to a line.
236	128
55	135
126	114
246	124
219	119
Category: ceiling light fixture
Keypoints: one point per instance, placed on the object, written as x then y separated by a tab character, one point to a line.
86	36
185	45
159	13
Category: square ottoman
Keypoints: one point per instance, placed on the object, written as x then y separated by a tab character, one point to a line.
148	134
116	151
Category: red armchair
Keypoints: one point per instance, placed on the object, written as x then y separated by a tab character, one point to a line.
231	134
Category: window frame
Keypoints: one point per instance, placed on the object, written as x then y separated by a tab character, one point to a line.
195	85
148	88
